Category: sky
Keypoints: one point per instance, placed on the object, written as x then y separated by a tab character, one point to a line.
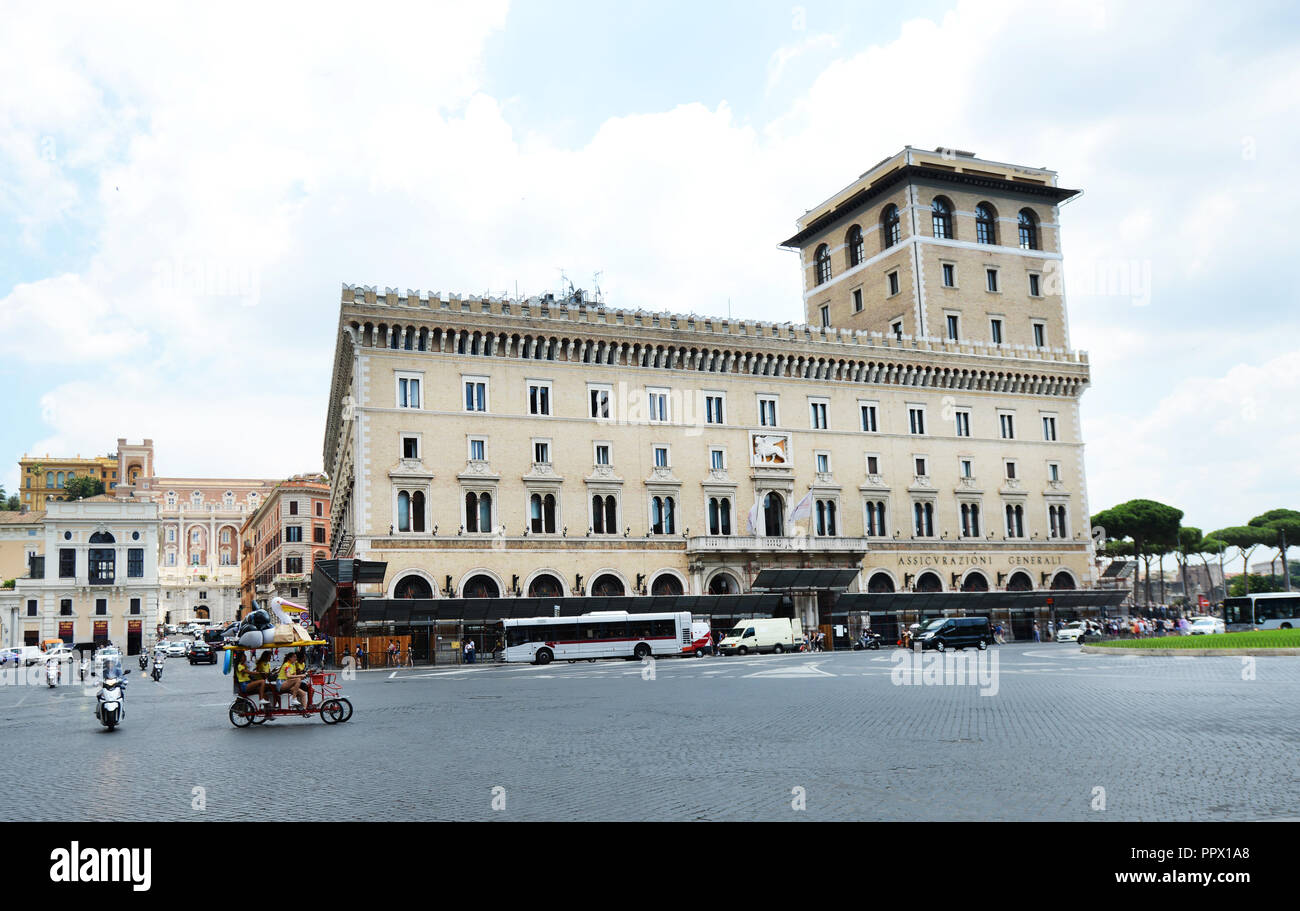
184	189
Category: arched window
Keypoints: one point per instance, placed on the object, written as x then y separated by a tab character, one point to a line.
417	512
857	246
545	586
403	511
481	587
1015	521
719	516
1063	581
876	519
929	582
662	516
49	479
986	231
975	582
826	518
774	515
666	585
1028	230
59	479
970	520
880	584
891	225
822	263
471	512
604	514
924	513
541	516
941	218
102	537
413	587
608	586
724	584
1020	582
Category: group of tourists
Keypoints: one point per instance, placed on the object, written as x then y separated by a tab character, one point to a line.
269	683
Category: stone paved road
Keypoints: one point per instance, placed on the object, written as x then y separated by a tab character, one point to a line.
727	738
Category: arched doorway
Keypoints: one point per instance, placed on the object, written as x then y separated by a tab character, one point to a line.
666	584
1020	582
545	585
975	582
201	613
413	587
929	582
774	515
1064	581
608	586
724	584
481	586
880	584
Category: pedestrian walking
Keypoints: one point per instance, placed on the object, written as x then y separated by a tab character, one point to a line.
1037	636
469	651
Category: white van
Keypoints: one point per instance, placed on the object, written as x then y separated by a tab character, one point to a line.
776	635
23	655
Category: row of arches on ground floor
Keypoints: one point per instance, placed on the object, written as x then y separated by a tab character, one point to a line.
610	583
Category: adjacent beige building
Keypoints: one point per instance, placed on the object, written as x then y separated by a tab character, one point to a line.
550	447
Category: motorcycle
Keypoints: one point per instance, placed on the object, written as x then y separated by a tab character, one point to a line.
157	669
144	662
52	673
109	704
868	641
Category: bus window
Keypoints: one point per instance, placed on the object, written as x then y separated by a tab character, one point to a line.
1237	610
639	629
665	628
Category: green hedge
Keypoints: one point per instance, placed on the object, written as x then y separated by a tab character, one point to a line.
1283	638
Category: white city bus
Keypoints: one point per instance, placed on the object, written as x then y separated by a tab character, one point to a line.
1274	610
607	634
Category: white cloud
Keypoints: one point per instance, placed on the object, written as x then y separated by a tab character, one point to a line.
237	174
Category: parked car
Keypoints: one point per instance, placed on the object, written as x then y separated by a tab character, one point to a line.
23	655
202	653
777	635
1206	626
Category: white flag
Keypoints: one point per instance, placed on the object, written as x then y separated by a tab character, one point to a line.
802	509
753	518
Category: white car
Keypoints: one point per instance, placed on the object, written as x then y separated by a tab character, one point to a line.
1076	631
1206	626
176	649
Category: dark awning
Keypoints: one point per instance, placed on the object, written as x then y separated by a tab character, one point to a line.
977	602
329	576
805	579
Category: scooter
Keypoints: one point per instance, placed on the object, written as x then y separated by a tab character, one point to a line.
144	662
110	708
867	641
52	673
157	669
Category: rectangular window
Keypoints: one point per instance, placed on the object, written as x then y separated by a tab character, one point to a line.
1033	285
1007	423
826	315
293	565
542	452
135	563
949	275
65	607
767	415
476	395
135	606
598	400
916	420
954	327
823	463
1049	428
995	331
869	424
897	329
31	607
967	468
1053	471
661	456
819	420
921	467
659	408
539	398
408	392
602	453
873	465
992	279
1040	335
101	607
718	459
478	450
318	534
410	450
857	300
293	507
1011	470
893	283
963	423
67	563
293	534
320	508
715	411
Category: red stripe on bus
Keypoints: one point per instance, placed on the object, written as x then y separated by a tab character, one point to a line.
588	641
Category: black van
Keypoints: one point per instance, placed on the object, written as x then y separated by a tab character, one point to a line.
956	632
